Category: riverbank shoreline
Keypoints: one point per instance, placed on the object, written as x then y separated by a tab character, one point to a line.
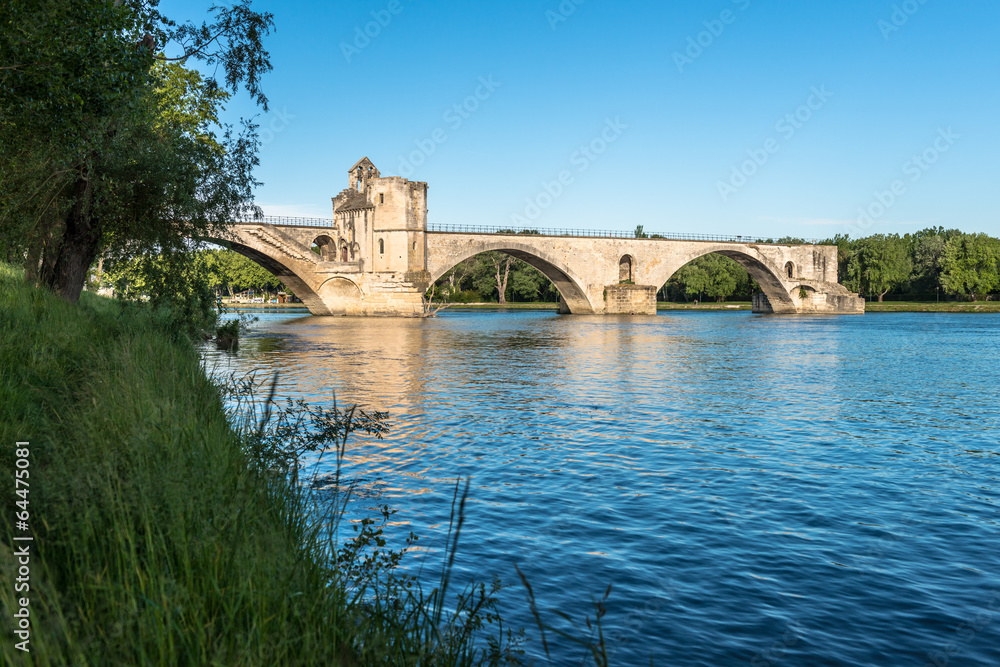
164	528
871	307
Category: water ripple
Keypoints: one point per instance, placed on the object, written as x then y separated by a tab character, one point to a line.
757	490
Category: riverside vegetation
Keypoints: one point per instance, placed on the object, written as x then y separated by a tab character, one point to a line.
168	530
165	534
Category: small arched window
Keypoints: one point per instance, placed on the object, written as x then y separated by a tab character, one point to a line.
790	269
381	247
625	268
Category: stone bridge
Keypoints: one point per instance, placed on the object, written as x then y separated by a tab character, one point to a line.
378	257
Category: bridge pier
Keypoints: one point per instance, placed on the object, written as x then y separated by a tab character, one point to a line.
624	299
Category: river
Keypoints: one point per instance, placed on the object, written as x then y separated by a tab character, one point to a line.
758	490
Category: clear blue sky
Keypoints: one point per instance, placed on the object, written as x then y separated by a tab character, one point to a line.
923	82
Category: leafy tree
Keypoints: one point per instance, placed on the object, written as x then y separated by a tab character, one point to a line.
172	284
454	279
927	248
880	263
492	273
971	265
529	284
230	271
711	275
845	250
102	149
242	273
639	234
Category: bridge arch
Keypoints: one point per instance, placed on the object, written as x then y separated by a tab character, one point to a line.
327	247
572	291
344	293
772	279
283	271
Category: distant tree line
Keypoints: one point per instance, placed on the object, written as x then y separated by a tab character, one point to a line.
929	263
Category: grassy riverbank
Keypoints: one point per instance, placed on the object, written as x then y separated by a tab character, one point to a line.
159	537
712	305
932	307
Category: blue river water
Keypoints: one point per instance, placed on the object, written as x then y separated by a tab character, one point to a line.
757	490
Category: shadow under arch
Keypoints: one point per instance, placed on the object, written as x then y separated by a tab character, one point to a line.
761	269
279	270
569	287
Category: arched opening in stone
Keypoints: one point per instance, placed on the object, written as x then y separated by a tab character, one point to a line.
573	298
381	247
324	246
710	277
344	253
341	296
790	270
721	274
625	268
283	272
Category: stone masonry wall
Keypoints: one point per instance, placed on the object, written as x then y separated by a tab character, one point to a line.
630	300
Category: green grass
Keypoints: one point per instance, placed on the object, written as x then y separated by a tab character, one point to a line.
704	305
158	537
933	307
512	306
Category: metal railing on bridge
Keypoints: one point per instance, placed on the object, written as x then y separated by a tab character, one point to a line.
608	234
283	221
288	221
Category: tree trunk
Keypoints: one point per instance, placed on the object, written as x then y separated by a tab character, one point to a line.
80	241
881	295
502	283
